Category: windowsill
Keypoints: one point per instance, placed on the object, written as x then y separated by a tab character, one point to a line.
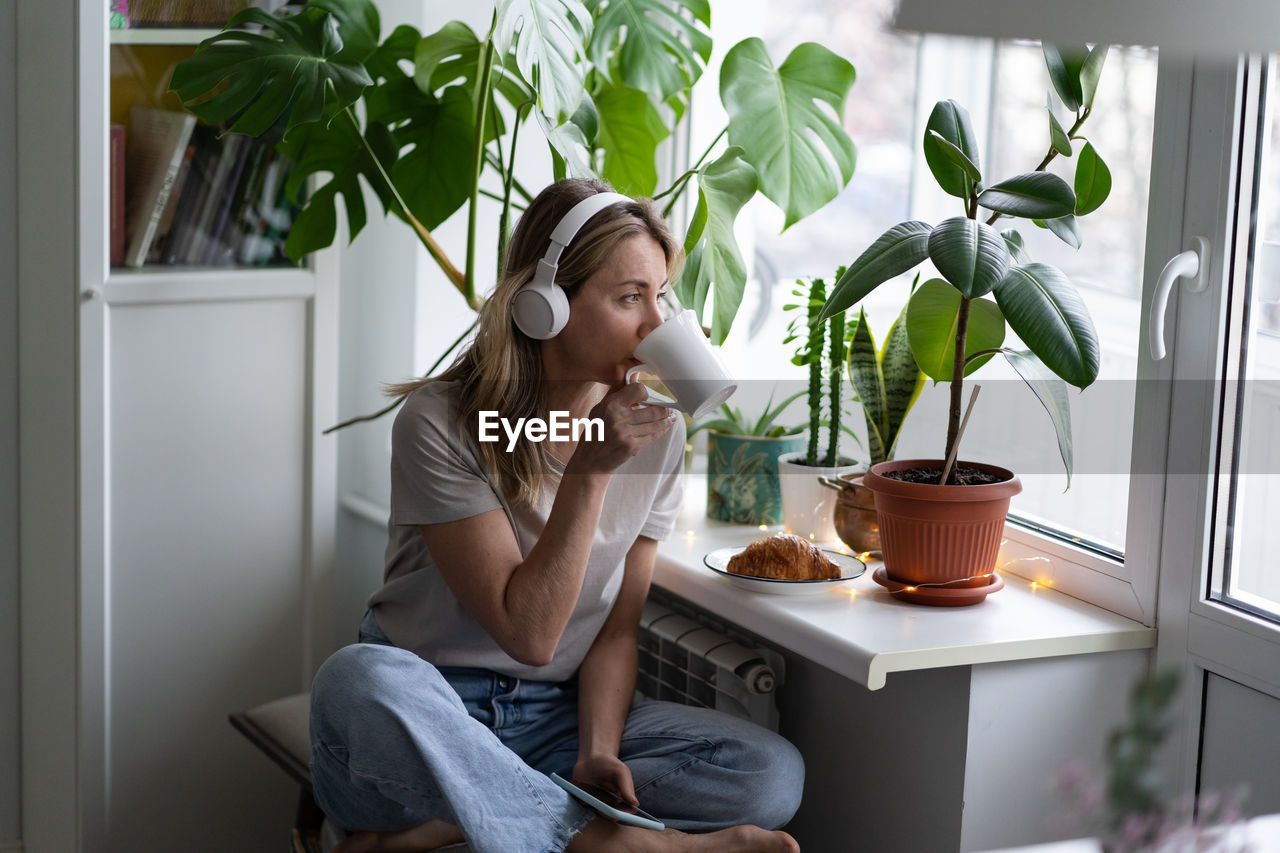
860	631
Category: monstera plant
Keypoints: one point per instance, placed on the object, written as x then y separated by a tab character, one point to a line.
952	327
432	123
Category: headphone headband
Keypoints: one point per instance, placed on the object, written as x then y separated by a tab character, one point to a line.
541	309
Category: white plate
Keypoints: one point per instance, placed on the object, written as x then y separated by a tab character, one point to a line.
718	561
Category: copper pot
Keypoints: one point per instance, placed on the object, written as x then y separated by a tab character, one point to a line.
855	515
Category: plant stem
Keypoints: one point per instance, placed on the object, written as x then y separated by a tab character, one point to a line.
508	179
957	378
398	400
1052	152
681	182
817	297
477	159
433	248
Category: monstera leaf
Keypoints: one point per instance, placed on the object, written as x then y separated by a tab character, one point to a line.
428	176
788	120
294	66
339	150
549	39
658	46
451	57
714	260
630	129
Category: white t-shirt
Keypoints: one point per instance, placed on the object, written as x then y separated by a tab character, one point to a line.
437	475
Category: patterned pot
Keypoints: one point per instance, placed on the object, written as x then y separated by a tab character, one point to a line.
742	477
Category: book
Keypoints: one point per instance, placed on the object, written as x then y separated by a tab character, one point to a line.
226	198
171	207
232	236
228	151
203	139
116	218
155	145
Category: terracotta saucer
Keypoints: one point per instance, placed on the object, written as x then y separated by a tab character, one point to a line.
939	596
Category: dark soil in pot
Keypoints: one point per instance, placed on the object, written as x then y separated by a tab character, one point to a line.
959	477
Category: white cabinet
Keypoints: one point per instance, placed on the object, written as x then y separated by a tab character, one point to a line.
177	493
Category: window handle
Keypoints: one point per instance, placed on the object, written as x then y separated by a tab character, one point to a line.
1194	264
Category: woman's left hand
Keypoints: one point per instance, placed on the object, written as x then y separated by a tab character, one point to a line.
608	772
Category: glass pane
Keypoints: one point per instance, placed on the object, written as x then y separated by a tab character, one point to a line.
1252	577
1004	87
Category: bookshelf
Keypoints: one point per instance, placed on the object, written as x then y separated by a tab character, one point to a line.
184	195
206	492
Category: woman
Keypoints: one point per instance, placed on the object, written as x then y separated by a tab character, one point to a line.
502	645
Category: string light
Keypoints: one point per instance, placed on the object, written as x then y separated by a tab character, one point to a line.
945	584
763	527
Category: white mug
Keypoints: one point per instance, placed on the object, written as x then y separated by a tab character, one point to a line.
678	353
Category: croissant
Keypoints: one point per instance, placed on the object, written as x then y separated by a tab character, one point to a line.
784	556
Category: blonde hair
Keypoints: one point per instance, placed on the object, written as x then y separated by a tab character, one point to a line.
501	370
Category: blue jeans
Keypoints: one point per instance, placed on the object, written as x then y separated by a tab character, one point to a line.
397	741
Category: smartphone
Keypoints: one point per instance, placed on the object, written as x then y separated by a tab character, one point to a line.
609	804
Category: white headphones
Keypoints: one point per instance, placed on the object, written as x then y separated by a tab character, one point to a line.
541	309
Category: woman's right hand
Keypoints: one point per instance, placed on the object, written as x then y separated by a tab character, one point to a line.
628	429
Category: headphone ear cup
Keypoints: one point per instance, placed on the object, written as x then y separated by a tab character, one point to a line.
541	309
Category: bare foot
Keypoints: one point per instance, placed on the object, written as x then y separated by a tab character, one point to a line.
428	836
605	836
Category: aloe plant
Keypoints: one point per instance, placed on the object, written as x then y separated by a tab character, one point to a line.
888	382
733	422
602	82
952	329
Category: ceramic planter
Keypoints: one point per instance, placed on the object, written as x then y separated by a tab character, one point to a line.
742	477
941	535
808	507
856	521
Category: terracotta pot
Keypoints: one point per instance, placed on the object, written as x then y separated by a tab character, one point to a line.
808	507
933	534
855	515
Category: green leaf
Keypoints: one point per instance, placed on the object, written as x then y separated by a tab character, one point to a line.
954	154
549	39
789	122
1052	394
293	66
864	372
658	46
428	176
569	143
1049	316
1033	195
1093	181
950	121
338	151
1090	73
358	26
969	254
770	414
724	186
630	130
932	321
903	379
1064	73
1017	248
1067	229
897	250
1057	136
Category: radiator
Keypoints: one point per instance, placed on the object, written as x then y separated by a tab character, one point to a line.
688	658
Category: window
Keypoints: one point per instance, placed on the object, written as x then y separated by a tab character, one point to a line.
1005	87
1249	486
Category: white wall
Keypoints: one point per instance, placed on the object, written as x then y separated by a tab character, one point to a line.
1239	744
398	314
9	747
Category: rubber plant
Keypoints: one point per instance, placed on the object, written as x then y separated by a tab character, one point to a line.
952	327
432	122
